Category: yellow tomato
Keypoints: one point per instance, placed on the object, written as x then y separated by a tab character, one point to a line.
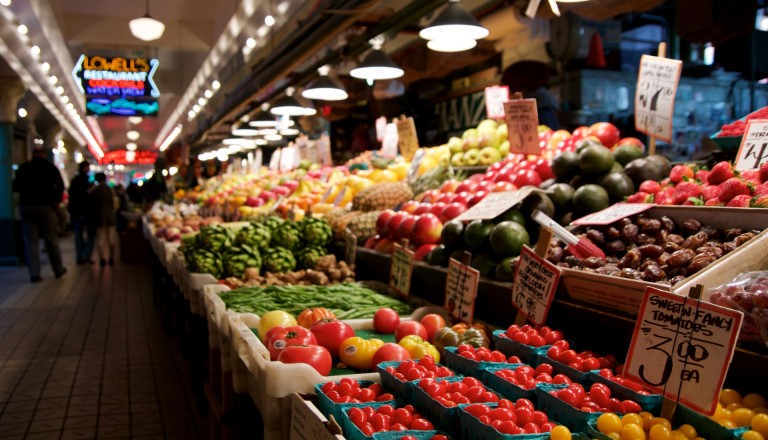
609	422
661	421
688	431
357	352
760	424
742	416
659	432
632	418
752	435
754	400
560	432
418	347
632	431
728	395
273	319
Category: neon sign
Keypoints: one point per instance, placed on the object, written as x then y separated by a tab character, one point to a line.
121	157
118	86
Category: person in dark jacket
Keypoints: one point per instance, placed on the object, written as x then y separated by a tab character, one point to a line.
40	189
78	210
103	202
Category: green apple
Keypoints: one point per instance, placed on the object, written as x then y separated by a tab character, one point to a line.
489	155
471	143
490	140
471	132
504	148
472	158
456	145
486	126
502	133
457	159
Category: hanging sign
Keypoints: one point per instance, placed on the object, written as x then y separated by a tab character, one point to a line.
657	83
407	140
495	97
681	348
534	287
522	120
612	214
125	157
753	151
401	270
495	204
461	290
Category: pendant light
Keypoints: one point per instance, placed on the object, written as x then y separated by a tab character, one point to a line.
325	88
245	132
263	119
146	28
289	106
452	45
377	65
454	23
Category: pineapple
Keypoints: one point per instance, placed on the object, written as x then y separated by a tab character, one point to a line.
364	225
340	224
382	196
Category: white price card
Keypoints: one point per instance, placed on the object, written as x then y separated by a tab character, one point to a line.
401	269
389	144
461	291
413	171
655	96
534	286
495	97
753	151
681	348
495	204
381	128
323	146
407	138
350	250
612	214
340	196
522	120
274	160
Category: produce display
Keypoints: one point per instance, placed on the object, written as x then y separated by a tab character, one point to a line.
747	293
737	127
513	418
749	411
350	391
370	419
655	250
425	368
642	425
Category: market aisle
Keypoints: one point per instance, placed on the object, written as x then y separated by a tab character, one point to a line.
86	356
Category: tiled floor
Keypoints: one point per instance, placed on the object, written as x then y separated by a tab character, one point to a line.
85	356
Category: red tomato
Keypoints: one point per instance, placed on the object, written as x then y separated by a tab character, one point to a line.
367	429
366	395
410	328
502	414
508	427
387	410
357	416
385	320
285	336
472	382
389	352
526	177
315	355
607	133
531	428
380	422
402	416
478	410
421	425
438	437
405	437
400	427
330	333
543	169
543	368
524	415
432	322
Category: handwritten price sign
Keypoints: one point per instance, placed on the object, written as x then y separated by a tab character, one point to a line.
406	134
522	120
655	96
495	204
612	214
401	270
461	291
681	348
350	249
495	97
535	285
754	146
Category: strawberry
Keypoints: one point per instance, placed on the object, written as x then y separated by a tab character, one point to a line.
761	190
733	187
639	197
763	172
701	175
650	187
740	201
713	202
666	196
679	172
686	190
710	192
750	175
760	201
721	172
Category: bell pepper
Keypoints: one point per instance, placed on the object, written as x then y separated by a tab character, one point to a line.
357	352
418	347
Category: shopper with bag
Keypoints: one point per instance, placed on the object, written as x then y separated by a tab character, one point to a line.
104	204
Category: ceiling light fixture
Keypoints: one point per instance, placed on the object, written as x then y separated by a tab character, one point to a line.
46	67
22	29
202	101
269	20
289	132
146	28
53	79
22	112
451	45
325	88
234	141
35	51
208	94
250	42
5	2
377	65
454	22
266	131
245	132
135	120
215	85
260	141
131	146
273	137
289	106
133	135
263	120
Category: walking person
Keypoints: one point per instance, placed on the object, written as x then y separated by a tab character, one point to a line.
103	202
40	189
85	232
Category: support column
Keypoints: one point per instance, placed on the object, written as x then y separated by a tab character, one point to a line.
48	130
11	91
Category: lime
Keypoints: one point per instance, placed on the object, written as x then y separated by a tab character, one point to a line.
590	198
596	160
505	270
484	263
588	143
565	165
437	256
477	233
508	238
640	170
663	162
511	215
625	154
618	185
561	194
452	235
538	201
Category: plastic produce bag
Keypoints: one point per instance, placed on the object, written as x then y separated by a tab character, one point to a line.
748	293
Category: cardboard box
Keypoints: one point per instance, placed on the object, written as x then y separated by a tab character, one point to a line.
624	295
308	423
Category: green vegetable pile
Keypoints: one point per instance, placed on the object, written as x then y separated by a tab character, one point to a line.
346	300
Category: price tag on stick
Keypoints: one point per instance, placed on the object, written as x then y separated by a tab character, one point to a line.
522	120
495	97
655	96
753	151
612	214
495	204
406	135
535	285
681	348
350	249
401	269
461	289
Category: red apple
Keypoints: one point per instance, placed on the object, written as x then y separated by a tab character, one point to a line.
485	185
410	206
428	196
383	220
504	186
385	245
568	144
422	209
462	197
451	211
405	231
254	201
545	135
292	185
449	186
607	133
631	141
422	251
267	195
427	229
580	132
281	190
497	166
480	195
393	225
490	175
475	177
467	186
372	242
526	177
436	209
445	198
543	169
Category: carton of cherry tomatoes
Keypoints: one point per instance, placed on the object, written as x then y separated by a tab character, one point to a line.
376	420
629	388
525	342
575	364
334	397
519	381
470	361
399	377
504	420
